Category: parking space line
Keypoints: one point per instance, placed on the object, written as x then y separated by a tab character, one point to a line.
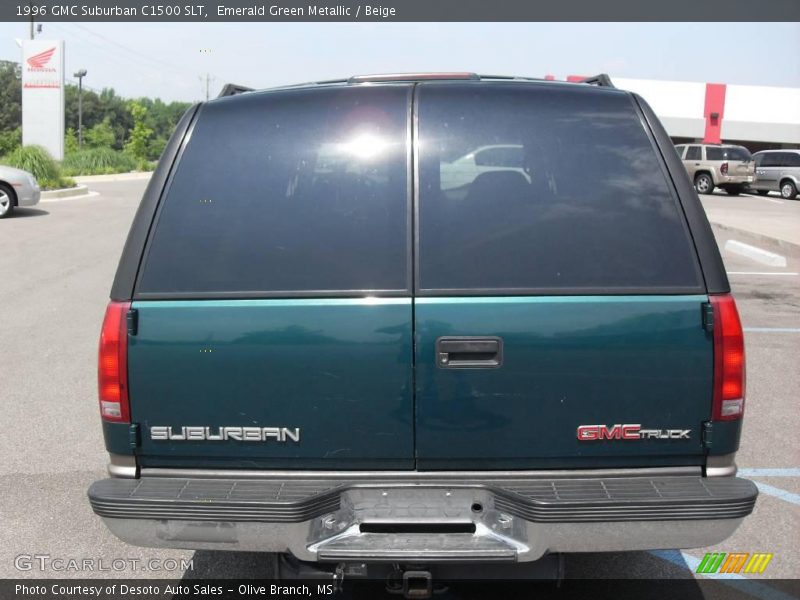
772	329
740	582
769	472
759	255
760	273
778	493
760	197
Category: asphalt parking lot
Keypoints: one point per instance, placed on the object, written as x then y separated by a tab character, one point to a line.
56	267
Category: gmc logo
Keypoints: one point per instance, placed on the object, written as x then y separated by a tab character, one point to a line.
615	432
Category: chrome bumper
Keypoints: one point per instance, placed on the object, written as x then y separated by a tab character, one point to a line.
503	520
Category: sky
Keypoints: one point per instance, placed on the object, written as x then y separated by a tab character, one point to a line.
171	60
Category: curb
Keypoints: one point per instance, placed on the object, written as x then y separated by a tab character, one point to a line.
80	190
786	245
113	177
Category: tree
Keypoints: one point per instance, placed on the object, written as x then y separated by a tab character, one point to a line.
100	135
10	96
140	134
70	141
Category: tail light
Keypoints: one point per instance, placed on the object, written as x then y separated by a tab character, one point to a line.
724	168
112	364
729	363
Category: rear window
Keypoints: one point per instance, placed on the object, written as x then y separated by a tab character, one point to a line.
583	205
735	153
288	192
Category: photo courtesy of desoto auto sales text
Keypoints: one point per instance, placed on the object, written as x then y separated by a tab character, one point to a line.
422	299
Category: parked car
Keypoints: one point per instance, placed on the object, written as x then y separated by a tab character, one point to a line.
315	347
777	171
462	171
17	188
730	168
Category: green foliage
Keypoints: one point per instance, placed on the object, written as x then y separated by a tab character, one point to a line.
98	161
10	96
10	140
70	141
101	135
156	148
57	184
37	161
139	136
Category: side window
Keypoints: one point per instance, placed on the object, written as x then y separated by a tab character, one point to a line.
758	159
584	205
713	153
770	159
288	192
679	150
693	153
792	159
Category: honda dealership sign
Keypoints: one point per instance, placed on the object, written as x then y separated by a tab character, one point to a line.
43	95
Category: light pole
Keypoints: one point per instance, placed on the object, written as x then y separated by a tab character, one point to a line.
80	75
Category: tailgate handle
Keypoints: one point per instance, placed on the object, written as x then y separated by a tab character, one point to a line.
469	352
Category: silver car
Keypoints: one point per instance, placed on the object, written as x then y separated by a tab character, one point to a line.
17	188
777	171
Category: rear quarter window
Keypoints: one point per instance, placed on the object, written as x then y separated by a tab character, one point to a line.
586	206
288	193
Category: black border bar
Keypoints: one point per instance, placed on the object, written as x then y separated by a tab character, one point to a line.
400	10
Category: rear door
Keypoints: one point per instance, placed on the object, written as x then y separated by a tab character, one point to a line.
769	170
558	305
273	305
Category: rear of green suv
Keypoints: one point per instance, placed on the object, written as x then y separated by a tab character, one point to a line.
322	342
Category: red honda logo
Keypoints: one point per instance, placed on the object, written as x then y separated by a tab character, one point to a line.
38	61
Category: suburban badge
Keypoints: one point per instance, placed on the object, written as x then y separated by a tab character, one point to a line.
217	434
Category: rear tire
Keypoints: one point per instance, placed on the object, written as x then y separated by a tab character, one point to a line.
7	200
704	184
788	190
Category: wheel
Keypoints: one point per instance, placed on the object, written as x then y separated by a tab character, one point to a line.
788	190
734	190
762	192
6	201
704	184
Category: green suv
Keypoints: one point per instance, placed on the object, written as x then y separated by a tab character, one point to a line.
327	342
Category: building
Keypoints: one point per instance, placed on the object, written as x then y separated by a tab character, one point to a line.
757	117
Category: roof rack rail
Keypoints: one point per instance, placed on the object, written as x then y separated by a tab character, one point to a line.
601	80
232	89
391	77
509	77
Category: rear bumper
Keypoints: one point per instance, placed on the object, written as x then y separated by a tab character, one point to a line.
744	180
451	520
